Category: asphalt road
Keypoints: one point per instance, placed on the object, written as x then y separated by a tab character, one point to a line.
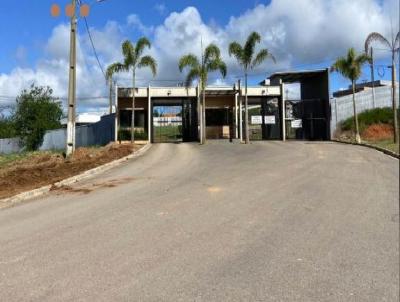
270	221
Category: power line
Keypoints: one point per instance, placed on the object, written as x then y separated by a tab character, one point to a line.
93	47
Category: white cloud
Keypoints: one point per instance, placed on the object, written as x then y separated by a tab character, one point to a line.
160	8
296	32
134	21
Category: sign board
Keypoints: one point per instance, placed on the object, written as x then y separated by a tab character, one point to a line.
256	119
296	124
269	119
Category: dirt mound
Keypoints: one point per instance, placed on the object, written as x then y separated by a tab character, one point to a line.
378	132
47	168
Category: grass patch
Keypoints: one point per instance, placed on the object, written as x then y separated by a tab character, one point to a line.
386	144
370	117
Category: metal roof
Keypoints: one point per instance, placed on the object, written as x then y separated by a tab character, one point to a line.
296	76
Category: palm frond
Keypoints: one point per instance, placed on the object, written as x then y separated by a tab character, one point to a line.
141	44
261	57
350	66
128	52
189	60
236	50
193	74
363	58
250	45
376	37
211	52
397	41
148	61
115	68
217	65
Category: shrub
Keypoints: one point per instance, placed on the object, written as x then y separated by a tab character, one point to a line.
125	135
36	112
7	128
370	117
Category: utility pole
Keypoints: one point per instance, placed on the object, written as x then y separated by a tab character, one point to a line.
110	82
70	148
372	76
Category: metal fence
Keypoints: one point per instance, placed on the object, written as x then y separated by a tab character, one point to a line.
100	133
342	107
10	145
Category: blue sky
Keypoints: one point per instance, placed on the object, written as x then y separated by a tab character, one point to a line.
32	24
302	34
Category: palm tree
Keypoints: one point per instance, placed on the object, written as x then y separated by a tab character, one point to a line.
350	67
198	69
394	46
133	60
245	57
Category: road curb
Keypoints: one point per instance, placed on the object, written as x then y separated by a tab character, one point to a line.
7	202
383	150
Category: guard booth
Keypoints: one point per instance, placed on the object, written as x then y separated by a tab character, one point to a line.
307	117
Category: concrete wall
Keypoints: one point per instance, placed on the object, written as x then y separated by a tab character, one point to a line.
10	145
342	107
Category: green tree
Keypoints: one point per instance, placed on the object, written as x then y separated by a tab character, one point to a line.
133	60
199	69
7	127
394	46
247	59
350	67
36	112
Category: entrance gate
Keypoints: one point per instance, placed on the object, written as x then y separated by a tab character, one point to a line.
306	119
174	121
264	119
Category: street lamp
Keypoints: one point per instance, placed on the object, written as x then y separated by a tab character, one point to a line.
70	11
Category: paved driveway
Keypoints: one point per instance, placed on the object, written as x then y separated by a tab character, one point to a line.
267	222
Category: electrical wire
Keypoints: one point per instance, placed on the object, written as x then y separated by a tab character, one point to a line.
93	47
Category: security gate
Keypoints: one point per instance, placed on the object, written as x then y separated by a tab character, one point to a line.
306	119
264	119
174	121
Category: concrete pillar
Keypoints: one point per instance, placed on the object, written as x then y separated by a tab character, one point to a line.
236	115
150	116
116	114
283	96
240	117
199	115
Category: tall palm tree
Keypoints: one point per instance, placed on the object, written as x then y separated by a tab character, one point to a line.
198	69
394	46
246	57
350	67
133	60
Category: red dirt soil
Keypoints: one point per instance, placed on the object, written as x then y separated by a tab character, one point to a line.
45	169
377	132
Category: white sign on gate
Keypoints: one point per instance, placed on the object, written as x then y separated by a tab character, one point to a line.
269	119
296	124
256	119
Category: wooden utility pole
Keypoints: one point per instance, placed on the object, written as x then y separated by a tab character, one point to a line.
70	144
